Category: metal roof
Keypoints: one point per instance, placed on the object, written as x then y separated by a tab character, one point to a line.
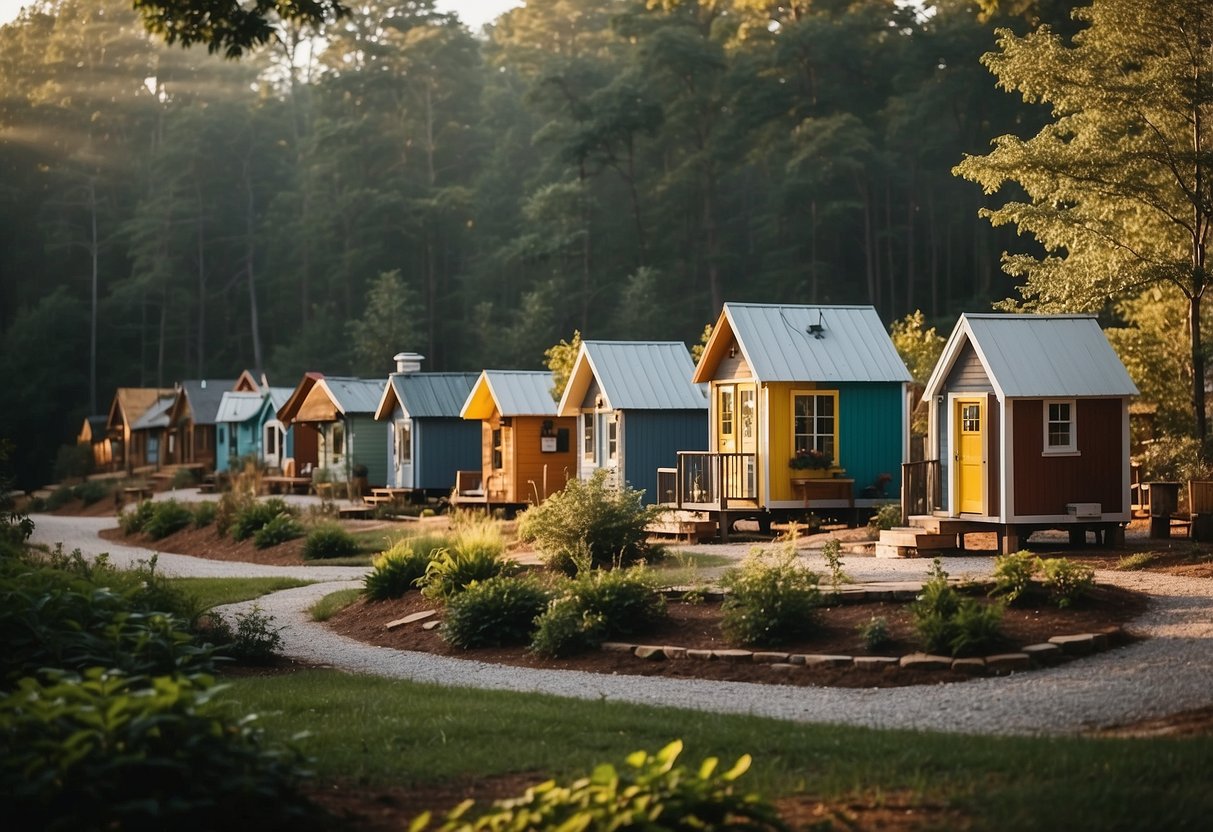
354	395
156	416
1037	355
204	396
430	395
781	342
513	393
239	406
635	375
279	396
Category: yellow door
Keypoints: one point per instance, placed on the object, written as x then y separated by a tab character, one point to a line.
969	455
726	419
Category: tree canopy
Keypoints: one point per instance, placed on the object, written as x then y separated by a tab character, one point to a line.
230	26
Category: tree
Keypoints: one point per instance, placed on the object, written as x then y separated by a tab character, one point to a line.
918	346
388	324
1120	184
560	359
229	25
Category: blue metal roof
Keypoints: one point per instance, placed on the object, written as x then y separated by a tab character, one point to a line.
353	395
1037	356
635	375
783	342
279	396
514	393
432	395
239	406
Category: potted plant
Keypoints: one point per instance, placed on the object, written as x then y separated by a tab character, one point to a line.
811	459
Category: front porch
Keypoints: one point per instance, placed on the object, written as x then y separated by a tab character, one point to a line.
709	481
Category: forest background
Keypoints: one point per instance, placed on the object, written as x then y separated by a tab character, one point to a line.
618	167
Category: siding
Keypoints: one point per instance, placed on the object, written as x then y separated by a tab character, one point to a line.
732	368
523	462
442	447
369	447
1044	484
652	439
967	375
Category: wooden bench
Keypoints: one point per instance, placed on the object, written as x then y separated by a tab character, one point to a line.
355	511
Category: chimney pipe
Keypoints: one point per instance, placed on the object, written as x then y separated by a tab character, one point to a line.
408	362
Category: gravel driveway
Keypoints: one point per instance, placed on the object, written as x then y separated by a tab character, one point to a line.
1170	672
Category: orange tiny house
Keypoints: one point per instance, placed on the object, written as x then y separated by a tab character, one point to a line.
527	452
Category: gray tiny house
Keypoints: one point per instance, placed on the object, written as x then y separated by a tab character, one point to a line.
635	407
342	410
427	440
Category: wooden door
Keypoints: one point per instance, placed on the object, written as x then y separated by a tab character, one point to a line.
969	455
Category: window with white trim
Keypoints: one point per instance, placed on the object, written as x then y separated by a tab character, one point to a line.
1061	436
612	438
815	424
587	435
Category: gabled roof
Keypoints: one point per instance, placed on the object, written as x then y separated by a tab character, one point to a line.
426	395
512	393
239	406
1037	356
634	375
202	397
93	428
279	395
131	402
156	416
346	396
782	342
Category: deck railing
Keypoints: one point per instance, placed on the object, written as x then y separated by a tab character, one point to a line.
705	480
921	487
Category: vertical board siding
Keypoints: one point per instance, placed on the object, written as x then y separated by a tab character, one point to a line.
870	434
968	374
652	439
1044	484
440	448
369	447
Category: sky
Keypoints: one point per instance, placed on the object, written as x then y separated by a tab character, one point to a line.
475	13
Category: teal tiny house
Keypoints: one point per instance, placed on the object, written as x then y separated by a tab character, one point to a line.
248	426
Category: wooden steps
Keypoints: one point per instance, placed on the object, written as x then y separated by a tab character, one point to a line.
909	541
691	526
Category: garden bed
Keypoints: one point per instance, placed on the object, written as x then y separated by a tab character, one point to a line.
697	627
208	543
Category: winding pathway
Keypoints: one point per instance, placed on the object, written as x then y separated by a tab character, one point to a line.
1169	672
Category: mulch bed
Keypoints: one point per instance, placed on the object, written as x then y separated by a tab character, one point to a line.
698	626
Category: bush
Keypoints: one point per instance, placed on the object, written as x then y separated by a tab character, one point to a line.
255	514
166	517
609	521
566	628
92	491
1173	459
1065	580
398	570
329	541
976	627
281	528
106	751
72	461
886	517
231	505
651	792
253	641
204	514
60	497
1013	575
451	571
772	598
597	605
135	520
948	622
875	633
494	613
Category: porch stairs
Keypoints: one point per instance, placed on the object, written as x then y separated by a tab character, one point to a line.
926	533
683	524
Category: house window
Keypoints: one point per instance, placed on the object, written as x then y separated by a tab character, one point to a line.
587	435
337	437
404	443
222	436
726	411
271	440
498	450
815	423
612	438
1060	434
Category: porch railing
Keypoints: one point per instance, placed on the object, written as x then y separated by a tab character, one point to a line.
921	487
705	480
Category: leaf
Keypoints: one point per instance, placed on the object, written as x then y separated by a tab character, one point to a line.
739	768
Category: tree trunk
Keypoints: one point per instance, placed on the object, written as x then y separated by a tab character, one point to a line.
1198	367
92	343
249	255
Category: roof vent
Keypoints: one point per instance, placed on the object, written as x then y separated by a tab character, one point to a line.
408	362
817	330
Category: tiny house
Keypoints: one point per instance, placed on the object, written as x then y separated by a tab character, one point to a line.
1028	429
151	437
526	450
129	404
427	439
94	434
191	432
342	411
635	407
807	412
247	425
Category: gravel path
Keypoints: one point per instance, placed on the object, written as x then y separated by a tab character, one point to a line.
1168	673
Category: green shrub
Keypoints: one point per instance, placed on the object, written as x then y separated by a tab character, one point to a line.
874	633
184	478
231	505
1066	580
832	552
495	612
281	528
329	541
650	792
450	571
251	517
1173	459
599	604
60	497
397	570
204	514
104	751
134	520
609	521
92	491
948	622
72	461
886	517
976	627
1013	575
566	627
166	517
772	598
254	639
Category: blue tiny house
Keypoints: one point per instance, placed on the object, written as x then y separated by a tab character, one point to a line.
342	410
248	425
635	407
427	440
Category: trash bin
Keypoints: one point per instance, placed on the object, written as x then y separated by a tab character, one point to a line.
1164	500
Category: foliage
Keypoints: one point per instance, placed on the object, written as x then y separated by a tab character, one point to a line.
184	478
333	603
231	27
832	552
281	528
950	623
401	567
135	520
389	319
254	639
253	515
1013	575
918	346
1173	459
73	461
102	750
566	628
329	541
698	348
596	605
207	593
560	359
886	517
232	504
651	791
15	526
60	497
772	598
451	571
204	514
874	633
810	459
495	612
167	517
1065	580
609	522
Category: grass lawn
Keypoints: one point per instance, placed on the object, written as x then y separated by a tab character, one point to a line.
215	592
382	732
333	603
686	568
